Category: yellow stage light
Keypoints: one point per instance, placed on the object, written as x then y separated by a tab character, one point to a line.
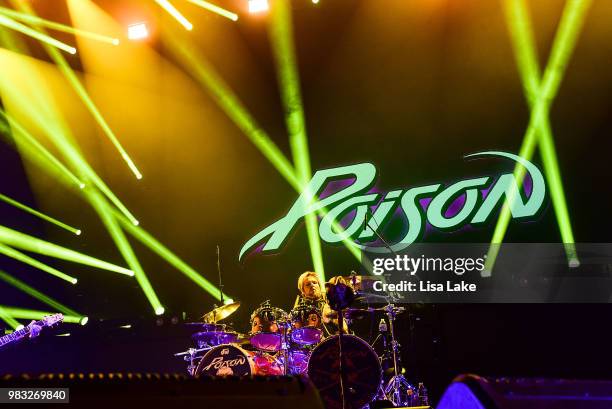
258	6
137	31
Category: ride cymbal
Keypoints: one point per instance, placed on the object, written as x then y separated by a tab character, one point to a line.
220	313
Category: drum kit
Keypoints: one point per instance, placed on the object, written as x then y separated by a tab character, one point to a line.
344	367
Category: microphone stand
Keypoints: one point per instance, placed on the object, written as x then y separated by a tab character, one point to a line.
381	238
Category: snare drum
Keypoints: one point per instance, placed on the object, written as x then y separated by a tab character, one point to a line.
265	332
232	360
306	324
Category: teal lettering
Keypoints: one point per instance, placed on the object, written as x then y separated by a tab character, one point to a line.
355	197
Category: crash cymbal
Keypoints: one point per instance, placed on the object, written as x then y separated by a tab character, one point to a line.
220	313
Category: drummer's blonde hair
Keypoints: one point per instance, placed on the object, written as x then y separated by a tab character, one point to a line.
302	278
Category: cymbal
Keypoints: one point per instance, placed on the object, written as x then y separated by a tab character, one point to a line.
220	313
369	310
204	326
359	283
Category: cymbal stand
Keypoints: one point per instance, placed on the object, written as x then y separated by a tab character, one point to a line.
397	388
284	327
190	356
340	367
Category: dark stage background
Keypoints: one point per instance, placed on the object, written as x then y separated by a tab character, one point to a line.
410	86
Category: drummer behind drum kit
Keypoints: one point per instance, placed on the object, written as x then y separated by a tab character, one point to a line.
344	367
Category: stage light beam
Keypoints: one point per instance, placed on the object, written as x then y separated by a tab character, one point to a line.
154	245
27	314
281	36
31	291
17	255
209	79
166	5
8	318
25	242
22	134
215	9
112	226
38	21
38	214
72	78
22	28
541	97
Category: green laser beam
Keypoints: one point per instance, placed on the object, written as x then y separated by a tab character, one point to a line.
70	151
41	22
52	124
9	279
563	45
62	141
145	238
8	318
17	255
123	245
27	314
36	213
74	81
25	242
521	33
281	36
215	9
22	28
205	74
28	138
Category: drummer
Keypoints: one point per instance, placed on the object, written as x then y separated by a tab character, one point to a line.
258	324
310	292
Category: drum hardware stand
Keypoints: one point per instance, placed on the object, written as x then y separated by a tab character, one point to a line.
189	356
340	369
220	282
340	296
398	383
285	347
394	387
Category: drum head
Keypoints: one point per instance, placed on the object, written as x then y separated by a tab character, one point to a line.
266	341
266	364
306	335
214	338
225	360
362	372
297	362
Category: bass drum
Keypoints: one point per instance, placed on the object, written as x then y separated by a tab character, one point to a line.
231	360
361	368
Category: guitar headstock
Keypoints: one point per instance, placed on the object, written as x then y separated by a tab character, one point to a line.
51	320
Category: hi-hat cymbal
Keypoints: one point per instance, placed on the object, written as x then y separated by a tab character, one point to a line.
220	313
